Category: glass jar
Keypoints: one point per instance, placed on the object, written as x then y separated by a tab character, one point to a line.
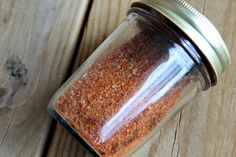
157	59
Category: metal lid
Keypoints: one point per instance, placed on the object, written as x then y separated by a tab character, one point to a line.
197	27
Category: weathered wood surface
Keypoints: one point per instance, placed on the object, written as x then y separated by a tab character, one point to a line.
40	36
37	41
206	127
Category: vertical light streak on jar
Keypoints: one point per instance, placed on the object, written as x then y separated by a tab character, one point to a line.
161	80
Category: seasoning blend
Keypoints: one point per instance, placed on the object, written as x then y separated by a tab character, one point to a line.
162	55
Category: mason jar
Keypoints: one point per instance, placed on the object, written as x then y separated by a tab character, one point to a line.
162	55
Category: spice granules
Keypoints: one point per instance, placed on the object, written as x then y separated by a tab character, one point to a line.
90	104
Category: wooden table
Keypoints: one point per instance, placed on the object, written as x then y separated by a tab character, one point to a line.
46	39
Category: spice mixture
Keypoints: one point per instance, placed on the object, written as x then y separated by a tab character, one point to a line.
97	104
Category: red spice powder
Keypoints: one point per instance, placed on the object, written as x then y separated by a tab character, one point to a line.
100	93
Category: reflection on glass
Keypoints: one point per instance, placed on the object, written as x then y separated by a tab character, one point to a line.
163	78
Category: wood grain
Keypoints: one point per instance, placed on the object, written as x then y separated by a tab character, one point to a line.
206	126
37	43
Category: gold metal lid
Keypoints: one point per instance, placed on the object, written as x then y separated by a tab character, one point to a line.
197	27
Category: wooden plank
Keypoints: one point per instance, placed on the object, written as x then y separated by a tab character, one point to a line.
206	127
37	43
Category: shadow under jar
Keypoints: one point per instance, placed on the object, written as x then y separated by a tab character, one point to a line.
140	77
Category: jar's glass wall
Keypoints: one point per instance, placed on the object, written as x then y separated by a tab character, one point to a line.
135	81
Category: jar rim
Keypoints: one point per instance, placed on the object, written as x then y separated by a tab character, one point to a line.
197	27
